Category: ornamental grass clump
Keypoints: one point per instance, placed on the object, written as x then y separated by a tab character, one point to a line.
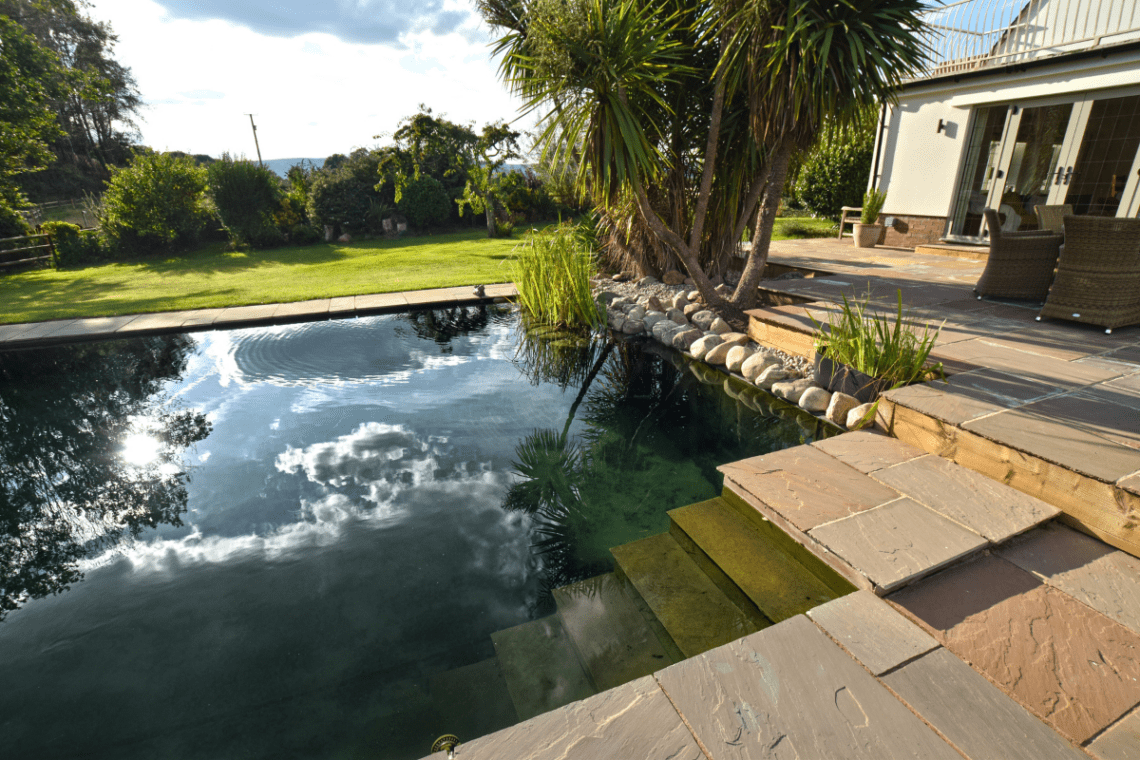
552	270
884	346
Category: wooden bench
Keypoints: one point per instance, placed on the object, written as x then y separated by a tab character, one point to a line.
848	211
29	249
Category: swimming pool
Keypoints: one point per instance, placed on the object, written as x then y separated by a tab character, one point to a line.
297	541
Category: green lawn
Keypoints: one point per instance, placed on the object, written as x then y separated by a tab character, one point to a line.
211	276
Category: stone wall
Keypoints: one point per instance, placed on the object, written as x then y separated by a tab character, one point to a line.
911	231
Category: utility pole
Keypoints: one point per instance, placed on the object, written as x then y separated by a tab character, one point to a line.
255	144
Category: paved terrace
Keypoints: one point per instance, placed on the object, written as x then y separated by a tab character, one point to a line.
985	627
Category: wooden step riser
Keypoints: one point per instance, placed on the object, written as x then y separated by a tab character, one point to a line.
1102	509
721	579
811	557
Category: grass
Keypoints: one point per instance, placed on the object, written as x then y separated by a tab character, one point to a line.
213	277
799	227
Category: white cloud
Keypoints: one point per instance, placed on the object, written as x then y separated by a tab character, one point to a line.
200	67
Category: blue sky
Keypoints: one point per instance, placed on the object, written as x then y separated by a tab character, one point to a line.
320	77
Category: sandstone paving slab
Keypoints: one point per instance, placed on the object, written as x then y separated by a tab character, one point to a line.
790	692
93	327
935	399
380	301
1042	369
1120	742
806	486
439	296
898	542
296	309
502	290
202	317
40	330
868	451
975	716
15	331
1065	342
167	320
991	509
1128	354
1074	448
615	643
540	666
1131	483
872	631
1124	391
342	305
695	614
1085	568
632	722
1068	664
1097	410
239	314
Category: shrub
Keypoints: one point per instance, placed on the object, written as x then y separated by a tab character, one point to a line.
339	199
552	270
246	197
12	223
873	201
157	203
879	346
303	234
833	174
424	202
74	246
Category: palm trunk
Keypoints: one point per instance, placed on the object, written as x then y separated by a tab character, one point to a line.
745	295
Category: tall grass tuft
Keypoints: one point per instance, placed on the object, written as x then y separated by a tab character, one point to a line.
552	270
883	346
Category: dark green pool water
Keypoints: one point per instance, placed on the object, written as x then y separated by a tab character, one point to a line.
277	542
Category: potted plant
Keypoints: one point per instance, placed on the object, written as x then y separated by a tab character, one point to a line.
862	354
867	230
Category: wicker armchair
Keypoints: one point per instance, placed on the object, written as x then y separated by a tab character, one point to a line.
1052	217
1098	276
1020	264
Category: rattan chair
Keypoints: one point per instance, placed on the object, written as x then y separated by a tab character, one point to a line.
1020	264
1052	218
1098	276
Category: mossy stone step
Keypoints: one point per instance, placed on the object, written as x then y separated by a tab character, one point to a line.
797	551
694	613
778	585
540	666
613	639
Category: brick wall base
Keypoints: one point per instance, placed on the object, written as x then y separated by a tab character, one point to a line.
911	231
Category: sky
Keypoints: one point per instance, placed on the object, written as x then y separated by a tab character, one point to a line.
319	77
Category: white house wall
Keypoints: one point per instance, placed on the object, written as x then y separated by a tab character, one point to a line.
920	164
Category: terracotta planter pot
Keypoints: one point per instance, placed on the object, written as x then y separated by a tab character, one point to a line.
839	378
867	235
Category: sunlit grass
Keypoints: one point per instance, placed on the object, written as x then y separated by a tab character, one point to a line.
213	277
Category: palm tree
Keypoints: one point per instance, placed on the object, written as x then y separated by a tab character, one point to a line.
682	117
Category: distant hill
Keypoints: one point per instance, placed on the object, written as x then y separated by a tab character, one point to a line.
281	165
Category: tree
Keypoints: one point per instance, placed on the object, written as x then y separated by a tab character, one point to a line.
683	117
246	196
157	203
65	489
497	145
29	78
95	101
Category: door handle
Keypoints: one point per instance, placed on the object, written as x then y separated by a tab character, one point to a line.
1057	177
1068	175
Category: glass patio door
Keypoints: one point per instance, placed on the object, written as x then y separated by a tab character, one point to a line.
1098	173
1029	162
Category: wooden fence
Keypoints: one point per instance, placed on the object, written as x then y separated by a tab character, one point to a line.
27	249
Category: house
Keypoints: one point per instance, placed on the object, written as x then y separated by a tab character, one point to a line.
1023	103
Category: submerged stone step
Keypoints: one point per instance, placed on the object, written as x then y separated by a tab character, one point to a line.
540	666
778	585
472	700
613	639
693	612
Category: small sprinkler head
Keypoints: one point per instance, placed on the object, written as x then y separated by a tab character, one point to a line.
446	743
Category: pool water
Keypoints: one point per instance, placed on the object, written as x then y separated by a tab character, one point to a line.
297	541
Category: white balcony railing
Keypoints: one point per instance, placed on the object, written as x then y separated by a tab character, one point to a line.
974	34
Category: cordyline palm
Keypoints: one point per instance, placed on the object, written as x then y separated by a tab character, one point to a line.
608	71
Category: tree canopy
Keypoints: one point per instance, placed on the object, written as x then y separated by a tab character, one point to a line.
682	116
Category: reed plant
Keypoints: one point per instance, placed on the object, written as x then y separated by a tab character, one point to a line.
885	346
552	270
